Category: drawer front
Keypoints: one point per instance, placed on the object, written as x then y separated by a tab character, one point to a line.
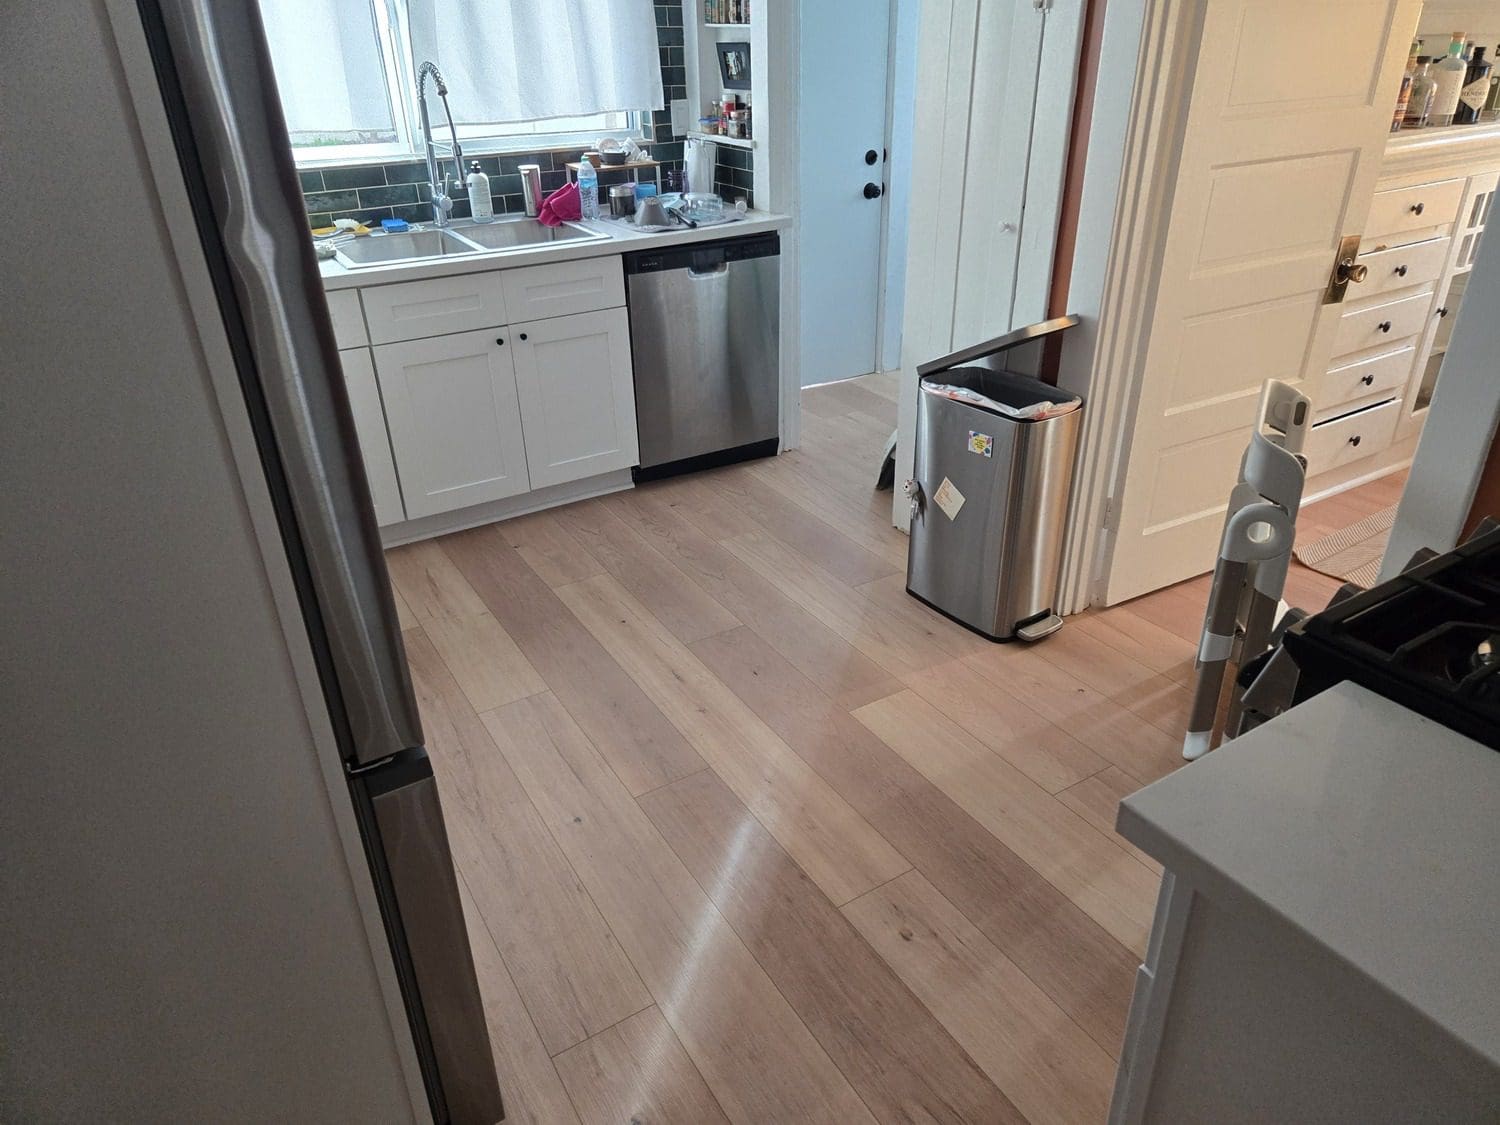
414	310
1377	325
1341	440
348	319
564	288
1397	212
1380	375
1401	267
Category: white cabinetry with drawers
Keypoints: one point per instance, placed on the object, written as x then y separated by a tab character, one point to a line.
1420	238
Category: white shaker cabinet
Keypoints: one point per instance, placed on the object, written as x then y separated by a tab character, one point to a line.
577	396
455	423
369	429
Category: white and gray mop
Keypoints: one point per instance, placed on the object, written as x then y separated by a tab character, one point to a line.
1254	555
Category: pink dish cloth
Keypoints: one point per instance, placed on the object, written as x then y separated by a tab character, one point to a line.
561	206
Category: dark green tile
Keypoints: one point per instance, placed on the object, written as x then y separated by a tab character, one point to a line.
415	173
413	212
319	219
366	175
332	201
311	180
387	195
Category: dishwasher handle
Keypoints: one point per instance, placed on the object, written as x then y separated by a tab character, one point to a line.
704	258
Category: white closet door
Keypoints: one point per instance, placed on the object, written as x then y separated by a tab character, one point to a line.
1278	163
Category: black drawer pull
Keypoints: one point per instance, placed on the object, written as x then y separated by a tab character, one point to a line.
1367	380
1400	271
1384	326
500	340
1418	208
523	335
1354	440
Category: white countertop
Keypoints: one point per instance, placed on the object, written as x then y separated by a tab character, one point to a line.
1373	830
623	238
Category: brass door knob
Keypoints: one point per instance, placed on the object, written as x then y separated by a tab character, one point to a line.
1350	271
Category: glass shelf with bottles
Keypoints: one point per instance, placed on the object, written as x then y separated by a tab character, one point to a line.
1457	89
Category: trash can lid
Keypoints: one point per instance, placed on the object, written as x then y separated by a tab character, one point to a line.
1001	392
1008	342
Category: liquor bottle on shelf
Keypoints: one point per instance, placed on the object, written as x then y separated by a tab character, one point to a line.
1419	99
1404	98
1492	104
1450	82
1475	92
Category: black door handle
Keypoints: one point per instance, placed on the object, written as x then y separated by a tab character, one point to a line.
871	156
872	191
1384	326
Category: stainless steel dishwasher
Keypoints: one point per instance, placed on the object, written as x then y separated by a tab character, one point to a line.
705	331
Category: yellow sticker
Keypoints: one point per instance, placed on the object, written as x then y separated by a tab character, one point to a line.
948	498
983	444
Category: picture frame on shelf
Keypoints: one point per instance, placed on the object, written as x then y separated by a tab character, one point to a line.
734	65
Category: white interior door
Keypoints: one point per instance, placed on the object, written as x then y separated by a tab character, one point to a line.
842	95
1278	162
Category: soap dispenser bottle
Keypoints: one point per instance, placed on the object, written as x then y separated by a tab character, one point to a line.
481	205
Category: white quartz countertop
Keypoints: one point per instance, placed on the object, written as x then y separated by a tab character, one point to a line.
1373	830
623	238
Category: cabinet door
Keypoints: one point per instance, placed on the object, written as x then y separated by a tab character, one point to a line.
369	428
577	395
455	424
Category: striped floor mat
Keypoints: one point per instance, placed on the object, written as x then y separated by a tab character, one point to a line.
1353	554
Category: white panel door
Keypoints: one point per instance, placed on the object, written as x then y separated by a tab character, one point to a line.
577	395
1278	162
369	428
844	48
454	419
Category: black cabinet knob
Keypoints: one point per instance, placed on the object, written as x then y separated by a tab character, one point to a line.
500	340
1368	380
872	191
1418	208
523	335
1400	271
1384	326
1354	440
871	156
1443	311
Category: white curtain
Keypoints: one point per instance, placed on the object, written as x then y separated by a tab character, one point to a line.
328	67
525	60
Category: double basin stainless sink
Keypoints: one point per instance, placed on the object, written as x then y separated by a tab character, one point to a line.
460	238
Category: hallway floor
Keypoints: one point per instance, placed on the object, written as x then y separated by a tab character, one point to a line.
747	833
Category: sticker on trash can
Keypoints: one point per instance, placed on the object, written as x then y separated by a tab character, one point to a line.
983	444
948	498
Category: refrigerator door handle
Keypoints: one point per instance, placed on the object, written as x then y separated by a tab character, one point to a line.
230	128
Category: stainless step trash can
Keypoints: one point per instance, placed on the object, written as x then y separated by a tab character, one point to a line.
994	464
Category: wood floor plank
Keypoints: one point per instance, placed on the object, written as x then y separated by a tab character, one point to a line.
548	548
889	593
1054	1072
572	973
894	1053
1110	885
758	1058
637	1071
1112	730
1165	703
1097	799
689	498
1103	668
896	645
1157	649
1081	967
846	674
798	528
849	395
484	660
430	583
857	522
529	1083
1011	728
405	618
681	605
640	744
833	843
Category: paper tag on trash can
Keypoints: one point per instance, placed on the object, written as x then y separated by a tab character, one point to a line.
948	498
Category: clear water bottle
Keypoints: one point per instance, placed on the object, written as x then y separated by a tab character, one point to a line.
588	189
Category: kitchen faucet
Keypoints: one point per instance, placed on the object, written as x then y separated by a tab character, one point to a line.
437	186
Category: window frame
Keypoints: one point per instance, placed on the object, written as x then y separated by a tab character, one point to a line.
394	42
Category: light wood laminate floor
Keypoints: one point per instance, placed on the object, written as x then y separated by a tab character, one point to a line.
745	833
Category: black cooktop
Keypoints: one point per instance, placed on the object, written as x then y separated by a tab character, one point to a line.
1428	638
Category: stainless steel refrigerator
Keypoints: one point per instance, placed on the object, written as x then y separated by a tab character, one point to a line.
204	65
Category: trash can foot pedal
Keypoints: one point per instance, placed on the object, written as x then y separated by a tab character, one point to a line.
1041	627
